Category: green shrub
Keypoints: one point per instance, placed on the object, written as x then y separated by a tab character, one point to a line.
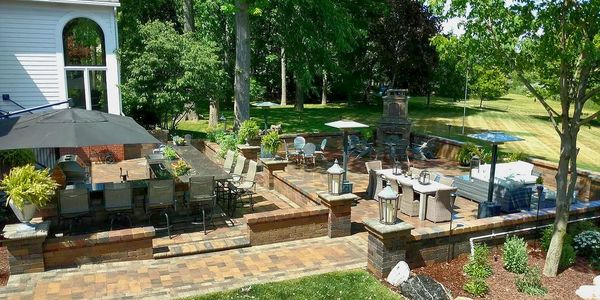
27	185
476	287
17	158
514	255
530	282
169	153
515	156
479	266
248	130
595	262
587	243
466	152
547	237
215	134
578	227
567	258
227	142
271	142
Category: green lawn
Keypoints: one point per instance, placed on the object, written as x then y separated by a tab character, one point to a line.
516	114
337	285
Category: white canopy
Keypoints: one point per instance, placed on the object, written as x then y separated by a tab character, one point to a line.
346	124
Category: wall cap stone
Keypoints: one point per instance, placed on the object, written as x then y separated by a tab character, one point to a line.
285	214
269	162
383	231
22	231
336	198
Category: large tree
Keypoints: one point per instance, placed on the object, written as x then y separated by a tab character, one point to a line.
242	62
554	49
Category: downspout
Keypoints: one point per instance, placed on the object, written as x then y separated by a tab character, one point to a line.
493	235
116	25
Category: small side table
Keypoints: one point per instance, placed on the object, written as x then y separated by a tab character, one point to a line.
25	246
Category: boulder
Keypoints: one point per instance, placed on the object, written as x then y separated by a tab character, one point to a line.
588	292
597	280
423	287
399	274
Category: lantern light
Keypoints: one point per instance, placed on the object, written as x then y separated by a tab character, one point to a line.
334	179
388	205
425	177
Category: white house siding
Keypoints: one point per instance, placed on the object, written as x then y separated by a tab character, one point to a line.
31	51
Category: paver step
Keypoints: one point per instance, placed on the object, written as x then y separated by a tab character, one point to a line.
199	247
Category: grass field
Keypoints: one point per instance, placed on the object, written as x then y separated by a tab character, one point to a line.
515	114
336	285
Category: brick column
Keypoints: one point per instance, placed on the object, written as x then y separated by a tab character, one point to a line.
340	212
387	245
272	165
249	152
25	246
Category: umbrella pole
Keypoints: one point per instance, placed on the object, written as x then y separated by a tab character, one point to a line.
492	172
345	142
266	118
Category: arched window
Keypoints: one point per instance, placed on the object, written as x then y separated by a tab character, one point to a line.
85	64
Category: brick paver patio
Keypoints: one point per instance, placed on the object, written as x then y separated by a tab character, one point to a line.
192	275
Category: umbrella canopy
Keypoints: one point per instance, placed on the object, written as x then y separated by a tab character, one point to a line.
264	104
71	127
495	137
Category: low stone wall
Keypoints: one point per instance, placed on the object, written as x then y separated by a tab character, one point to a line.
287	225
292	192
425	248
110	246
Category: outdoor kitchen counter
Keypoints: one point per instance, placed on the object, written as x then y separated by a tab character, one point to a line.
199	162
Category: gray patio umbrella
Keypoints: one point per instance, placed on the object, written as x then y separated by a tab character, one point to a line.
71	127
265	105
345	125
495	138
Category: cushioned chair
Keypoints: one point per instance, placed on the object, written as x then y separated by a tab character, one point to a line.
73	204
246	186
238	171
160	198
408	204
202	195
229	158
439	208
118	201
372	166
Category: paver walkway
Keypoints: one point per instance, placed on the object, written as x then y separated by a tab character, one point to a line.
192	275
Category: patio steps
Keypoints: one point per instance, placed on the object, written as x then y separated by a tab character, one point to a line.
199	247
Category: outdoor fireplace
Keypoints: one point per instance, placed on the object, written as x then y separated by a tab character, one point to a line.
394	126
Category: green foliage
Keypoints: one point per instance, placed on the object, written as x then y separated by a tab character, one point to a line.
178	140
530	282
27	185
476	287
357	284
514	255
227	142
578	227
466	152
539	180
215	134
515	156
169	153
168	74
490	83
271	142
17	158
248	130
587	243
567	257
180	167
257	91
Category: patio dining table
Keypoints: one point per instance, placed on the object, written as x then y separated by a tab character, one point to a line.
422	189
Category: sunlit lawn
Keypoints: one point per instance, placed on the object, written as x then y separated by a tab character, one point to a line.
515	114
336	285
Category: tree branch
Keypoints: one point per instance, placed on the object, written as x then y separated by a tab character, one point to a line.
590	94
589	119
551	112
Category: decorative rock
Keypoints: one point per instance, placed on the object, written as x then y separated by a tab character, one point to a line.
423	287
588	292
462	298
399	274
597	280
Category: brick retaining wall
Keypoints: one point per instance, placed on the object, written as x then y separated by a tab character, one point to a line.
287	225
292	192
110	246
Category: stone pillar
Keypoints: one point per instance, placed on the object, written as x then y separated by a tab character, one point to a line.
249	152
340	213
272	165
25	246
387	245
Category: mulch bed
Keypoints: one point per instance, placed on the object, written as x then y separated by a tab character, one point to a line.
502	283
4	266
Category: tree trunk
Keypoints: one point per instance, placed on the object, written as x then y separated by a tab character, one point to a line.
480	102
324	89
213	113
283	77
299	106
428	97
188	16
242	63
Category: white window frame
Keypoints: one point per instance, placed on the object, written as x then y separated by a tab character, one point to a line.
86	81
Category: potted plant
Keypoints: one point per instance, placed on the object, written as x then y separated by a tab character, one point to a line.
270	144
28	190
180	168
539	186
178	141
169	153
248	133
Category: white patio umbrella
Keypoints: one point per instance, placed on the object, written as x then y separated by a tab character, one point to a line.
346	125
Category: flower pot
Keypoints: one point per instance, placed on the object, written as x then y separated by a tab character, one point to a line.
26	214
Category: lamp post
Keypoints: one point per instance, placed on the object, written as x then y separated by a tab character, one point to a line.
334	179
388	205
224	120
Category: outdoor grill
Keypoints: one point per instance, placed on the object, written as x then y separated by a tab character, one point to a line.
74	169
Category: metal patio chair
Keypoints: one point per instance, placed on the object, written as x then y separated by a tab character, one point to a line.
160	198
202	193
118	201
